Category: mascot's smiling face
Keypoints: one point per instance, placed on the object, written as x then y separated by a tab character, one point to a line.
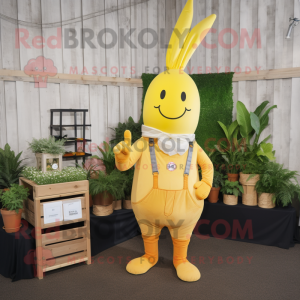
172	103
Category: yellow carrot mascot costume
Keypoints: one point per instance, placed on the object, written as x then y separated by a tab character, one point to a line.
166	189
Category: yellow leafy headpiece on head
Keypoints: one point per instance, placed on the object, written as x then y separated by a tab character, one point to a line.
178	56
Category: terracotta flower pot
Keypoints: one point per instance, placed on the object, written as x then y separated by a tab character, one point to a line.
91	201
104	198
11	220
213	196
233	177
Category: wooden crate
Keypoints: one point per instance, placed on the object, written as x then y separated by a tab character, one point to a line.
58	248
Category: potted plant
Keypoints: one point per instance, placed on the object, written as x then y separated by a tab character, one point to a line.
229	149
108	158
10	167
12	206
105	189
218	181
256	153
48	153
231	190
251	170
277	184
102	198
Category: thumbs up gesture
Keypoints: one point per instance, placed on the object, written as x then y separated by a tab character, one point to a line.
123	149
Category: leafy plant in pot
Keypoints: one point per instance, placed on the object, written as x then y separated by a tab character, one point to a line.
256	154
231	191
229	149
10	167
105	189
12	202
103	199
90	172
277	185
48	153
218	181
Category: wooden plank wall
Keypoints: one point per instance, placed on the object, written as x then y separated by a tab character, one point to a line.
24	109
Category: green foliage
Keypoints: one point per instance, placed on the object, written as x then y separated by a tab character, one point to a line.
108	157
10	167
113	183
253	123
280	182
135	129
217	161
89	171
232	188
66	175
254	155
50	145
13	198
229	149
216	105
252	167
243	119
218	179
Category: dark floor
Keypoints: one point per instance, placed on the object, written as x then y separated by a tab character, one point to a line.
262	273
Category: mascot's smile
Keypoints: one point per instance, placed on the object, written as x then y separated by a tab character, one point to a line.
171	118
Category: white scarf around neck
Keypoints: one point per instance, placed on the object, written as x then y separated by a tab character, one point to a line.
169	143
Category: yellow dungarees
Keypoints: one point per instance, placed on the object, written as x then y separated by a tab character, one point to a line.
162	197
174	209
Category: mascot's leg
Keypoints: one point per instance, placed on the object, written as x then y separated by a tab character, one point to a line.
185	270
142	264
181	239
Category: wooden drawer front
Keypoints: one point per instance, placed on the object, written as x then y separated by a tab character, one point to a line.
66	248
65	261
84	212
61	188
43	226
64	201
64	235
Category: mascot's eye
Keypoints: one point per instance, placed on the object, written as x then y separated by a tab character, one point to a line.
183	96
162	94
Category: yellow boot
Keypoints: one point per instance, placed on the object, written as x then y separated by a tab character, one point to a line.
142	264
185	270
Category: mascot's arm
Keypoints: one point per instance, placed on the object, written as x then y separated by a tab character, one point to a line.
125	154
203	187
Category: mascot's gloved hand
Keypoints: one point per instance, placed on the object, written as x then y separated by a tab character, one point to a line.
123	149
202	189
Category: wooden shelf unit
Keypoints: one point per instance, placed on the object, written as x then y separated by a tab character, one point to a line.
74	140
67	246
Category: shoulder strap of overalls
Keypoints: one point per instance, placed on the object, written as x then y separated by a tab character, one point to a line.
189	159
188	166
153	156
153	163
